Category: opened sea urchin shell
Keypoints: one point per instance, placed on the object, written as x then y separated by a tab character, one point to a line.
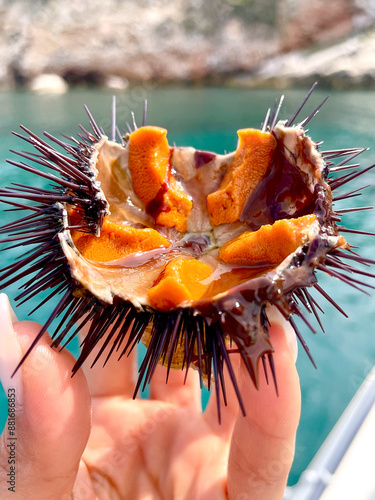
179	248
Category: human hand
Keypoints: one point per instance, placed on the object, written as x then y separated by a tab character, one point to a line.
85	438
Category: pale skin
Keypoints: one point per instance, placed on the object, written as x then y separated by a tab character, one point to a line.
86	438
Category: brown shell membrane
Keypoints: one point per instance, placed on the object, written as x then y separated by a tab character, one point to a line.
289	185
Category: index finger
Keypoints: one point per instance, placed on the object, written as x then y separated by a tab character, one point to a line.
263	442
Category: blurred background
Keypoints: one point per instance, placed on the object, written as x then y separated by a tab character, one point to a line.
241	42
208	68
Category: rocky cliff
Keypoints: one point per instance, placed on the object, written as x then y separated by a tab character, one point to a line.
179	40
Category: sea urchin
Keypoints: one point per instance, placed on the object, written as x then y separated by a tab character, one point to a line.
180	248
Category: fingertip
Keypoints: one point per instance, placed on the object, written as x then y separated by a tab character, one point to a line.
52	417
274	408
56	409
10	349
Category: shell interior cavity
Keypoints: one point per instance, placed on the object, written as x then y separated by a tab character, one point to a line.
181	249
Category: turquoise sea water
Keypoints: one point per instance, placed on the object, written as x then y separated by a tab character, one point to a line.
207	118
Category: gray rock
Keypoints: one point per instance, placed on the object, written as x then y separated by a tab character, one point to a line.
183	40
344	65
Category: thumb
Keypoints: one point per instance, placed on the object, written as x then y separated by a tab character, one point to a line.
49	415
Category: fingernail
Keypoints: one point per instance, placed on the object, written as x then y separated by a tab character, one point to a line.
13	315
10	351
291	339
275	317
